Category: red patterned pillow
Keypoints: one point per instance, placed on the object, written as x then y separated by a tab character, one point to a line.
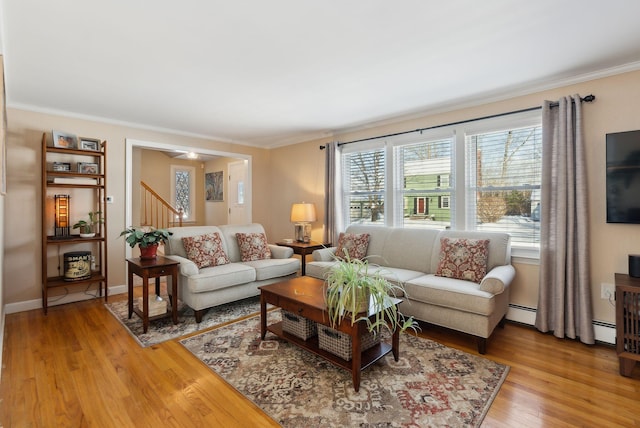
353	244
463	258
205	250
253	246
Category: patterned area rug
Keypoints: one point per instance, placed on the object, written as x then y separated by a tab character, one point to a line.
430	386
164	329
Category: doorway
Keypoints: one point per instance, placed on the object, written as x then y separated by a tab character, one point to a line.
132	175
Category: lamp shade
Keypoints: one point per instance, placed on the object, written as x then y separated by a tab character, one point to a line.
303	212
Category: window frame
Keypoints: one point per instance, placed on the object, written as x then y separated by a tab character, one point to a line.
393	192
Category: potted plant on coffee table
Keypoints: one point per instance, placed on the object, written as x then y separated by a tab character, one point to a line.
352	288
88	228
147	238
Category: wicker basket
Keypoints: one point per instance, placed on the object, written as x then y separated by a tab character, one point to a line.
298	326
339	343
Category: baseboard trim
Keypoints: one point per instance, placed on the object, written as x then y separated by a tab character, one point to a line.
28	305
604	332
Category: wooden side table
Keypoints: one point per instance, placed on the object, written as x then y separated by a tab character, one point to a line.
152	268
303	248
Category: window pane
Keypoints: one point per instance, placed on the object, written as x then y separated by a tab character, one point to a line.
426	171
504	176
183	191
365	184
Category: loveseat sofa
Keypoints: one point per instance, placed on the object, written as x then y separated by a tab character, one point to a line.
413	257
212	271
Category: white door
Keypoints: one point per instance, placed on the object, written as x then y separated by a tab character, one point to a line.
239	193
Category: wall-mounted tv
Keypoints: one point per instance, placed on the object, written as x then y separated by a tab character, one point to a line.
623	177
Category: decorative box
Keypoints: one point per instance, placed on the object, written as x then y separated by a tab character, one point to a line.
156	307
298	326
339	343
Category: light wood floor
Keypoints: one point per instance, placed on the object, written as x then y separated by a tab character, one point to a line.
78	367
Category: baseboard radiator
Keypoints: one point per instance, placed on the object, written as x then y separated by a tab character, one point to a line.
604	332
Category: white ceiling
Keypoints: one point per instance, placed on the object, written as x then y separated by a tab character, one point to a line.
271	73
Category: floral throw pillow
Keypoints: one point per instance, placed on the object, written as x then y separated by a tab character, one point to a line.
353	244
253	246
463	258
205	250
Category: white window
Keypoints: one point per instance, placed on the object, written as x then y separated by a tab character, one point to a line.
183	188
424	169
504	177
483	175
364	184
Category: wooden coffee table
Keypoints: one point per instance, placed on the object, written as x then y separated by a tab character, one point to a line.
304	296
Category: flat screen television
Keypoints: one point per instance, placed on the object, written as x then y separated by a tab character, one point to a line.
623	177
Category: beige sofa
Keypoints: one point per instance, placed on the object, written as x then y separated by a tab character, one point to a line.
411	256
204	288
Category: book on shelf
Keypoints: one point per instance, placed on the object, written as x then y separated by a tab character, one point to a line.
74	180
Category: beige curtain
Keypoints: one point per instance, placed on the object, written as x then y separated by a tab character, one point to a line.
564	298
333	193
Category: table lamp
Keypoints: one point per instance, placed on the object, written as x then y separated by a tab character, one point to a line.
61	215
302	214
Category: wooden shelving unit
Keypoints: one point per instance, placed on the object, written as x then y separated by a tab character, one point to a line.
627	322
85	197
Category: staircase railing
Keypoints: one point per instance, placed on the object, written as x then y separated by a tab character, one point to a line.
157	212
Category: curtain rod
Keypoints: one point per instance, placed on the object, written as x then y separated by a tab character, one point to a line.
589	98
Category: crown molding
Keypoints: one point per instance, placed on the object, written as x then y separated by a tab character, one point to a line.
488	98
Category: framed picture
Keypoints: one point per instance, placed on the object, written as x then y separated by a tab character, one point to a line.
62	166
89	144
64	140
213	184
88	168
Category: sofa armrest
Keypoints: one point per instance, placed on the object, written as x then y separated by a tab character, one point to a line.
279	252
187	267
324	254
497	279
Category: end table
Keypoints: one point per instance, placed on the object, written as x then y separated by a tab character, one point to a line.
152	268
303	248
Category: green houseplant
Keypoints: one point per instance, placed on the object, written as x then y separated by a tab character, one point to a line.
88	228
351	287
147	238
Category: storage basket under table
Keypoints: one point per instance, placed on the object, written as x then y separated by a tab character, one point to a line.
339	343
298	326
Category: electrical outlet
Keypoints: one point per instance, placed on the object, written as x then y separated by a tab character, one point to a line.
607	291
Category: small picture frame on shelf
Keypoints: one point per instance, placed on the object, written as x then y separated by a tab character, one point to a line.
64	140
91	144
62	166
88	168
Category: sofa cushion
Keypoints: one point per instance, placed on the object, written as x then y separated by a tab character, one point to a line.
450	293
499	246
352	245
175	247
253	246
205	250
274	268
463	258
219	277
394	275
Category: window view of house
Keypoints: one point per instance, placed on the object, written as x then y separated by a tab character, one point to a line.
499	189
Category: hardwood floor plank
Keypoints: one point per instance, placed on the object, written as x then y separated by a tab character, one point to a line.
79	367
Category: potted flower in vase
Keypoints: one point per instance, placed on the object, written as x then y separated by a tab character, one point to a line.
352	289
147	238
88	228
